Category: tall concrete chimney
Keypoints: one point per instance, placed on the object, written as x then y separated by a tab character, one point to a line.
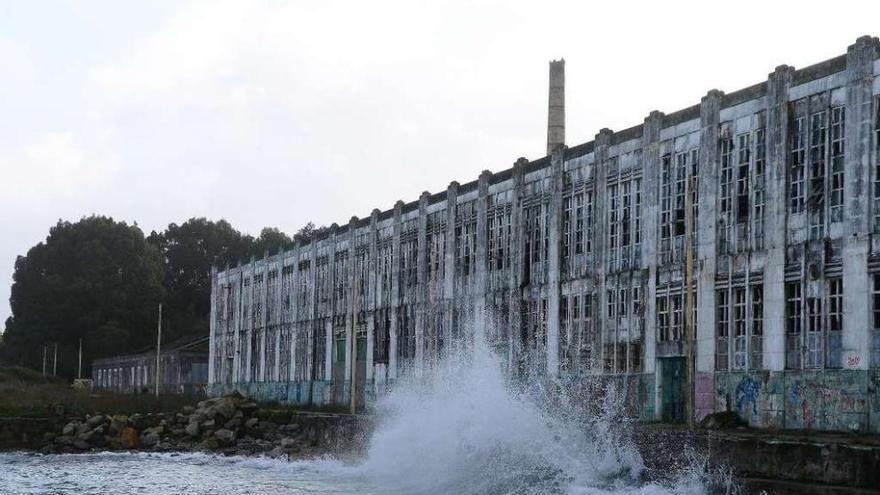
556	110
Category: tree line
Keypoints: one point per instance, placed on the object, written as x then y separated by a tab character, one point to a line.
101	281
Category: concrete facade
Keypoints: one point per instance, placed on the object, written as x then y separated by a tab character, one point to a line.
576	265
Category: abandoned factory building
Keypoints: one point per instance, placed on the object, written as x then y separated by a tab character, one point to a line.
742	233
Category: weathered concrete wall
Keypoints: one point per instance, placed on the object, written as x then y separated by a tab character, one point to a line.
833	400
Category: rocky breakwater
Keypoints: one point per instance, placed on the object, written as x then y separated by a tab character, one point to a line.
229	425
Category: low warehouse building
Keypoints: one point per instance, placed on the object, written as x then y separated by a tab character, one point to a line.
183	369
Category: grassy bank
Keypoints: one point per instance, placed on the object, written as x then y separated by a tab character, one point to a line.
26	393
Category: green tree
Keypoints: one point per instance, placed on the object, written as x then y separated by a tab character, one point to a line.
188	252
86	279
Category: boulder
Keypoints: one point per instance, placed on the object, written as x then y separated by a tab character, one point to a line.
95	420
150	439
210	443
251	423
192	429
128	438
70	428
118	423
224	436
225	407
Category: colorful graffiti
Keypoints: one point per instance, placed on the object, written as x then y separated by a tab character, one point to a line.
747	392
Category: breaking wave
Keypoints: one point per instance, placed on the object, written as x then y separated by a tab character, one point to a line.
466	429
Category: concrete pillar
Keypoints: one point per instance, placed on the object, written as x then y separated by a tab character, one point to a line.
556	106
857	321
650	238
516	263
279	313
778	85
395	291
449	301
422	276
600	153
705	260
330	311
215	341
352	310
374	292
293	318
481	275
554	260
251	324
264	318
239	300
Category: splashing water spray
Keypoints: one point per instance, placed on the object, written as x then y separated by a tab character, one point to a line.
468	427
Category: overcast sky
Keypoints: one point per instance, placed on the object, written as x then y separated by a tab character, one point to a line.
277	113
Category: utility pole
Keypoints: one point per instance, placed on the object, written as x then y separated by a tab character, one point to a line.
55	360
158	348
79	367
44	360
689	300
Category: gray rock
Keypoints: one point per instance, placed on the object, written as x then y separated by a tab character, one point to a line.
80	444
192	429
95	420
224	436
288	442
226	407
251	423
70	428
150	439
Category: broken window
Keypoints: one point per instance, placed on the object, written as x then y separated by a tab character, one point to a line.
663	323
756	347
566	230
613	225
875	337
758	183
637	216
612	305
666	208
722	320
838	117
725	220
742	179
625	215
465	238
677	317
586	331
498	222
798	158
579	224
877	164
793	324
814	337
835	323
740	337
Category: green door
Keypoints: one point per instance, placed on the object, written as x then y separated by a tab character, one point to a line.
673	397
